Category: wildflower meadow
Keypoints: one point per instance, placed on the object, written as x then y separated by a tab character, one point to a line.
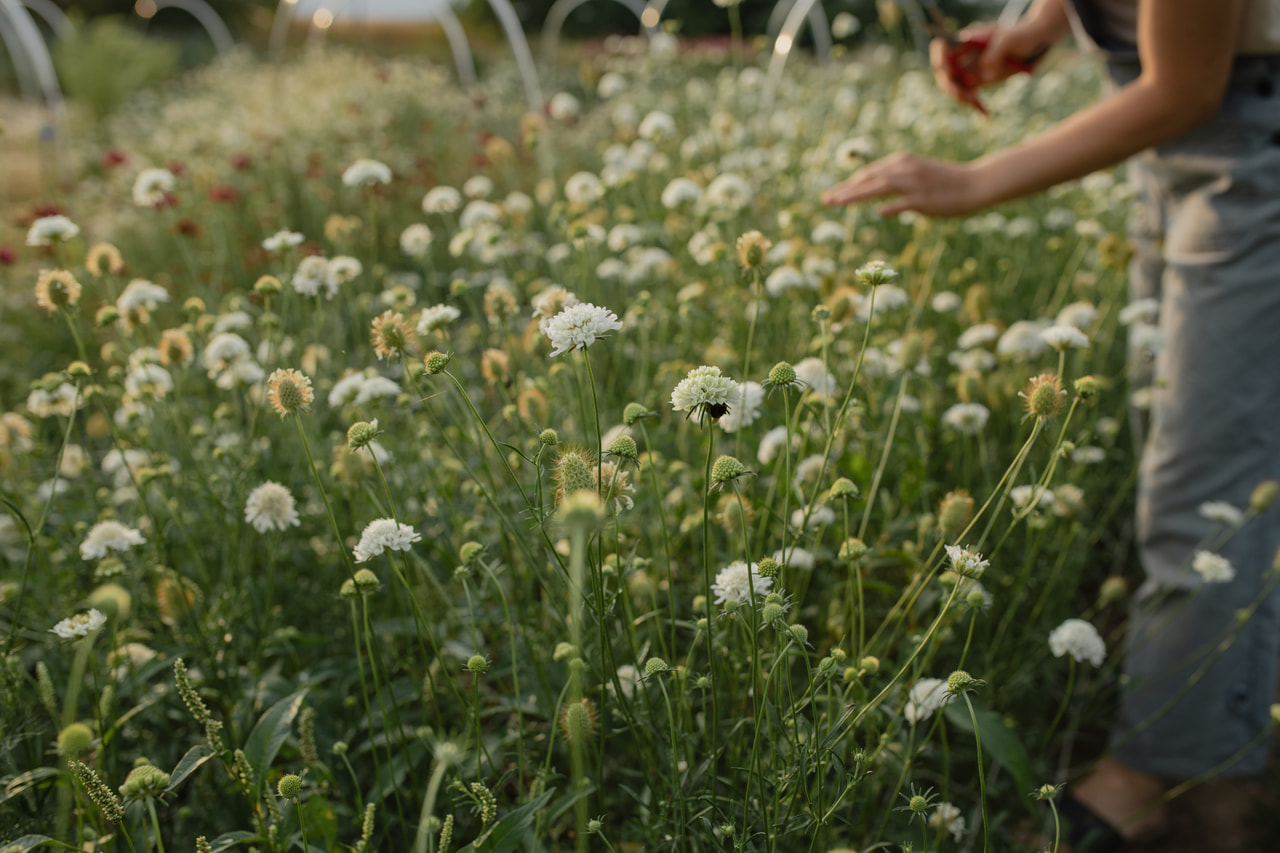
386	466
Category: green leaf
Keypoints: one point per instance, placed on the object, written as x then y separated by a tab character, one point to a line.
190	762
31	842
505	835
231	839
31	537
998	740
26	781
269	734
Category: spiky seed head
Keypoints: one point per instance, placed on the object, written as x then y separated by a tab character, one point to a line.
852	549
753	247
146	780
633	413
767	567
75	739
624	446
1086	387
477	664
1263	496
267	285
843	488
470	552
361	433
954	512
1044	395
367	582
577	721
289	787
726	469
782	373
655	666
436	362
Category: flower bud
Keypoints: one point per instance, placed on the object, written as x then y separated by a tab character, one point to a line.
782	373
1264	495
75	739
361	433
289	787
436	362
623	446
655	666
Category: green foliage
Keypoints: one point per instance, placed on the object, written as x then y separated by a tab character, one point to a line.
106	61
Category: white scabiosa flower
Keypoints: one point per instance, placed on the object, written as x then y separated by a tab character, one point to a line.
745	408
384	534
827	231
926	696
1022	340
704	391
436	317
1088	455
736	581
109	535
271	507
366	173
656	126
477	187
945	302
282	240
728	193
563	107
977	335
147	379
1146	340
966	563
416	240
141	293
1078	314
771	444
151	186
1222	513
441	200
1214	568
611	85
967	418
376	388
80	625
947	818
60	401
583	188
795	557
310	275
628	680
479	211
1140	311
340	270
787	277
1022	496
681	192
814	374
223	351
1079	639
47	230
1063	338
819	516
579	326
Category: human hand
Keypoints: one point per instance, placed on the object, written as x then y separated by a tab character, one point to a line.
981	55
910	182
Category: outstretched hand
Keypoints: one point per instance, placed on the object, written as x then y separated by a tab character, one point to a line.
910	182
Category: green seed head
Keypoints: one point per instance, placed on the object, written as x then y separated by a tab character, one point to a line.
633	413
726	468
361	433
75	739
961	682
289	787
1086	387
145	780
267	285
918	804
577	722
624	446
436	362
767	567
477	664
852	548
844	488
548	437
870	664
655	666
1264	495
800	634
581	510
594	825
772	613
954	512
470	552
564	652
367	582
782	373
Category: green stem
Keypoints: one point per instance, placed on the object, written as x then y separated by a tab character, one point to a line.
982	780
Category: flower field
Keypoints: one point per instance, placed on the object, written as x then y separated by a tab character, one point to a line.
388	468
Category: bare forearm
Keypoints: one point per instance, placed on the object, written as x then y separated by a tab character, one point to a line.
1137	117
1047	20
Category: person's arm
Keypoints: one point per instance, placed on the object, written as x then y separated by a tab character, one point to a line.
1187	48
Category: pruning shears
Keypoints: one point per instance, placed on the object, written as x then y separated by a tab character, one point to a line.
963	53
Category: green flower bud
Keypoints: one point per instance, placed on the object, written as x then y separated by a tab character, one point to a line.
145	780
75	739
726	468
655	666
782	373
436	362
633	413
289	787
624	446
477	664
548	438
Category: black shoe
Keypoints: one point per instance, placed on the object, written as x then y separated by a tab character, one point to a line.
1087	832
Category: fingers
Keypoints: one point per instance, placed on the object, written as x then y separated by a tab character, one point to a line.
891	176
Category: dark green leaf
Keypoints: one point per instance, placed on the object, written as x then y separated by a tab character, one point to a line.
190	762
268	735
231	839
998	740
31	842
505	835
24	781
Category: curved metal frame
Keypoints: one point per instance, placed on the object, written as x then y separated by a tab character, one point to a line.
819	26
36	76
54	17
560	11
207	17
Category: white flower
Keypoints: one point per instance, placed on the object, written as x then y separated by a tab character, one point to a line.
967	418
477	186
703	388
109	535
47	229
141	292
441	200
282	240
376	387
611	84
223	351
436	317
679	192
946	301
966	563
818	516
814	374
1140	311
771	443
729	193
563	107
366	173
147	379
1078	314
1146	338
1079	639
340	270
977	335
60	401
310	275
736	581
384	534
745	408
1064	338
926	696
241	373
876	273
1088	455
1021	497
80	625
579	326
583	188
827	231
150	187
271	507
888	297
628	679
230	322
1222	512
415	240
947	818
795	557
787	277
1022	340
1214	568
477	211
854	152
657	125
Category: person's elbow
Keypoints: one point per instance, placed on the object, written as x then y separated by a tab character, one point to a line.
1182	106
